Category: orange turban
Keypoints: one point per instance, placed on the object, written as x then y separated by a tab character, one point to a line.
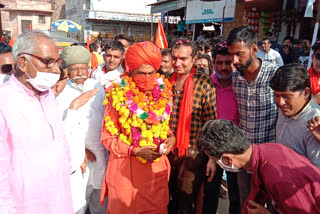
143	53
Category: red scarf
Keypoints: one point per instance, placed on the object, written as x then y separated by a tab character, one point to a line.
315	87
184	123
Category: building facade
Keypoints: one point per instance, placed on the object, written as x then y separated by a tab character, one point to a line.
21	15
112	18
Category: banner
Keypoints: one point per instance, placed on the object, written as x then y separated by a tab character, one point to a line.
309	9
207	12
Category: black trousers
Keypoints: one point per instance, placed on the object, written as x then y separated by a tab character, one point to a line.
212	190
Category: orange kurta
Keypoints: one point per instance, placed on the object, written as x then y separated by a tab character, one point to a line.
132	186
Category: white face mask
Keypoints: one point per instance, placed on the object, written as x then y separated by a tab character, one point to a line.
4	78
44	80
231	168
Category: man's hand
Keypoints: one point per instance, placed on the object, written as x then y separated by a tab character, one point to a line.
83	99
170	142
83	166
256	208
211	169
89	156
314	127
59	86
146	152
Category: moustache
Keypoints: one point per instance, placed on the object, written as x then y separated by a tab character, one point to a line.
80	77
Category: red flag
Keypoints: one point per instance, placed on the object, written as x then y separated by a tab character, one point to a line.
161	40
88	43
11	42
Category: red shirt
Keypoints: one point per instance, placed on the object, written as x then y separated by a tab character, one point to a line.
288	178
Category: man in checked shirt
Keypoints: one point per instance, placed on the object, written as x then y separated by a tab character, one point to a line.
194	103
256	103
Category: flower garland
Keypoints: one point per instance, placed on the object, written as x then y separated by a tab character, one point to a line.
144	117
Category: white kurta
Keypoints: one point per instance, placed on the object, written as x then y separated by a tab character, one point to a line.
106	79
83	130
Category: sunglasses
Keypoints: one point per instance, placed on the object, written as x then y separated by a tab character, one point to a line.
6	68
317	56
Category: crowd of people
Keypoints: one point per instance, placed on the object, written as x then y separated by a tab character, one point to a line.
129	128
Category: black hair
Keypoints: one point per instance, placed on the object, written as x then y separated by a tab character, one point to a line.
290	77
115	45
222	136
221	49
266	38
287	38
93	47
166	52
242	34
309	39
207	46
125	37
316	46
208	58
7	49
185	42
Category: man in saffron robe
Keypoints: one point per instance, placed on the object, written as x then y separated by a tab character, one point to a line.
278	172
132	185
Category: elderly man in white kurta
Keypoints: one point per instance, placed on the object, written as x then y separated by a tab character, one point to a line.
83	119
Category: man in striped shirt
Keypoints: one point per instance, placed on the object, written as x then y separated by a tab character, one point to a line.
256	103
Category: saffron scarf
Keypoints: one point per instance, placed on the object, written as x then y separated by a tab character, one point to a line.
315	87
184	123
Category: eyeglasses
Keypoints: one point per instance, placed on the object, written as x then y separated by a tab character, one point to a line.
6	68
50	63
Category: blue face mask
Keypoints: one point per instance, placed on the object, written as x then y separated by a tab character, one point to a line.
224	78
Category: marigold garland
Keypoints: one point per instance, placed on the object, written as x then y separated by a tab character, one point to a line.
144	117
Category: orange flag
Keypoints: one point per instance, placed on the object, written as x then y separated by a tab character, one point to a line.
161	40
88	43
11	42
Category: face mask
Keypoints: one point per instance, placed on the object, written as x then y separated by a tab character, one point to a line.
44	80
224	78
145	83
231	168
4	78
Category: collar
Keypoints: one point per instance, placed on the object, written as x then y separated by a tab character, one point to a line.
303	110
76	86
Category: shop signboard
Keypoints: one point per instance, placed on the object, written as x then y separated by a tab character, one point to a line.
168	6
208	12
121	17
123	6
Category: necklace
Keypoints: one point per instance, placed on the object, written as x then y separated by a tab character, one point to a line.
143	117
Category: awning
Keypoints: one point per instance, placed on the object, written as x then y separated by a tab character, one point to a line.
167	5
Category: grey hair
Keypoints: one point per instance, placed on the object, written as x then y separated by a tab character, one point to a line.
26	43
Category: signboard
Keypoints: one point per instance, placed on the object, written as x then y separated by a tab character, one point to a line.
168	6
208	12
120	17
123	6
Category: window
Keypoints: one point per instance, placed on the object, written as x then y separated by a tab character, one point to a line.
42	19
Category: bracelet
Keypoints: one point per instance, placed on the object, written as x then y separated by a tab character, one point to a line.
130	150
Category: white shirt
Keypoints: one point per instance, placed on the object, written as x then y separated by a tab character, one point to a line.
272	56
106	79
83	128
